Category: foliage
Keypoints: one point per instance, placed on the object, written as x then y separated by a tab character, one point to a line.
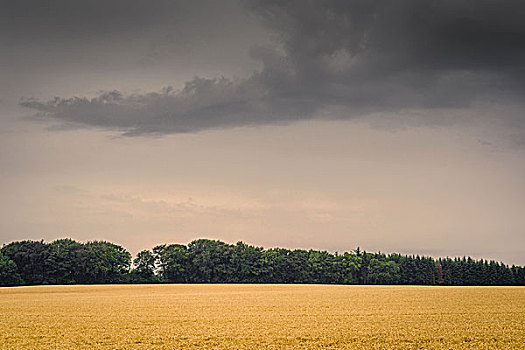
144	271
66	261
8	272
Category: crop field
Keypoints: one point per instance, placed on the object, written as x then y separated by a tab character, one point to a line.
262	316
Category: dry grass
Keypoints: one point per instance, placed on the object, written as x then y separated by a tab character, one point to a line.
262	316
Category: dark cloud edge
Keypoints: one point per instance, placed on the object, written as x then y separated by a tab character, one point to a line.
360	56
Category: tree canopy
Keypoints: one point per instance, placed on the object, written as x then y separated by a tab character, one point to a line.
65	261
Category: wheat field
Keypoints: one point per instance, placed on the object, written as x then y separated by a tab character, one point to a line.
261	316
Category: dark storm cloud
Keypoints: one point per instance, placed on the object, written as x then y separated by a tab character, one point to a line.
362	55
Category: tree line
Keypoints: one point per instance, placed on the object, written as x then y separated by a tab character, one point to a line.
65	261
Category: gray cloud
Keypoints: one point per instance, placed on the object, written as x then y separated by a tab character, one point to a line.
364	56
53	22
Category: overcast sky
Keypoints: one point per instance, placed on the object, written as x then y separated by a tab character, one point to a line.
396	126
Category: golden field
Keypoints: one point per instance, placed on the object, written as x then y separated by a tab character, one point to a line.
262	316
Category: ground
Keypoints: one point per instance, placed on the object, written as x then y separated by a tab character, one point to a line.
262	316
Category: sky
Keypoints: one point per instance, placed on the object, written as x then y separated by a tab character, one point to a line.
395	126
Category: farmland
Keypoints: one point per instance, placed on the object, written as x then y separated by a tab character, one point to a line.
261	316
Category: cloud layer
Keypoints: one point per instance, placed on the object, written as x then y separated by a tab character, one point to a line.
356	57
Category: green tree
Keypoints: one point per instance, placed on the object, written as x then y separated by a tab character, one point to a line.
209	261
29	257
382	271
247	264
9	275
107	262
350	264
63	263
173	263
144	271
277	261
